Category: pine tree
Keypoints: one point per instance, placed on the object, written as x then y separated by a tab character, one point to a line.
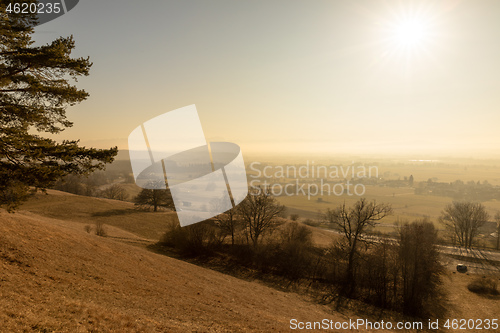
35	90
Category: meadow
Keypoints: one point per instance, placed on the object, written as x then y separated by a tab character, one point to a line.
407	206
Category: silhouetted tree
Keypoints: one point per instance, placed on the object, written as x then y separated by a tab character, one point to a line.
464	219
194	239
259	212
420	266
294	258
154	198
497	219
352	223
35	91
227	222
379	273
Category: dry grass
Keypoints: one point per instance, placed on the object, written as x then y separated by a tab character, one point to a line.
65	206
56	277
484	286
464	304
406	205
323	238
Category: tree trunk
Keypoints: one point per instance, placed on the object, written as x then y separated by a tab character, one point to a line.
498	237
350	280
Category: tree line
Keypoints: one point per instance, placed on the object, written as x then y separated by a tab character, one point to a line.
401	274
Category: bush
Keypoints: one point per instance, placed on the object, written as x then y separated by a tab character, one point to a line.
115	191
99	229
198	238
293	257
311	223
88	228
484	285
295	234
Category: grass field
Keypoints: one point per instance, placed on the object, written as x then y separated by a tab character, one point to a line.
87	210
406	205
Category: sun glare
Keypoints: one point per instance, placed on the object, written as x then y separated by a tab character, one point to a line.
408	36
410	32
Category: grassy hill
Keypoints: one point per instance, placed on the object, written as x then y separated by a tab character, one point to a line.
88	210
55	277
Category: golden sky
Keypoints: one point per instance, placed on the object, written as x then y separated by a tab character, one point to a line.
291	77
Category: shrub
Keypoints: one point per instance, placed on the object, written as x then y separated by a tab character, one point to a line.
115	191
199	238
484	285
295	234
311	223
99	229
293	258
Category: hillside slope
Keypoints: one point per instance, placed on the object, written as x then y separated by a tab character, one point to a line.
55	277
122	215
88	210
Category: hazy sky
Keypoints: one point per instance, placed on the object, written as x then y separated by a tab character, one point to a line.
293	76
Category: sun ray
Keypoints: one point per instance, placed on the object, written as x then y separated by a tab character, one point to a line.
409	38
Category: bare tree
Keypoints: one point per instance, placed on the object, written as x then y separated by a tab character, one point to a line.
115	191
497	219
295	259
227	222
464	219
419	265
259	212
352	223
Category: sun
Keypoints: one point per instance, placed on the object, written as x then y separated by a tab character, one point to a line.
410	29
410	38
410	32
